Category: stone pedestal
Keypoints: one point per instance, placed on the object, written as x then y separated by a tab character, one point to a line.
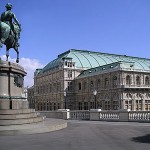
12	86
15	116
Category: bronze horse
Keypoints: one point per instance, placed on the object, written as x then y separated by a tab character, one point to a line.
7	37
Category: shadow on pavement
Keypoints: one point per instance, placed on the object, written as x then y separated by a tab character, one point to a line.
142	139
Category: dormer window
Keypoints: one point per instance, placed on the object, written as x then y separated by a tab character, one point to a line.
69	64
65	63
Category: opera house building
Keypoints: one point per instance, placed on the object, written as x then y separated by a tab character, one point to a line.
83	80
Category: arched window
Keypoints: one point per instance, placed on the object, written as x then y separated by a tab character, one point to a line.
138	80
114	81
91	85
106	82
128	80
147	80
98	83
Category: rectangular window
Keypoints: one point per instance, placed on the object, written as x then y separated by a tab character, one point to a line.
54	106
58	105
85	105
47	106
80	105
69	73
92	105
79	86
70	87
69	64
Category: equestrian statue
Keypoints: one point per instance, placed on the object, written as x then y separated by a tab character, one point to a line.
9	31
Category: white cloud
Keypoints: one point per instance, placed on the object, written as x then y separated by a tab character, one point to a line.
30	65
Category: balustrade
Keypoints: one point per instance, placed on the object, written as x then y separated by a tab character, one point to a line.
102	115
141	116
109	115
80	115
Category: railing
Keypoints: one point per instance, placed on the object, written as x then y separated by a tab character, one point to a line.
141	116
80	115
100	115
109	115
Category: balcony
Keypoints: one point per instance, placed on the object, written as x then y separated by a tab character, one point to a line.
134	86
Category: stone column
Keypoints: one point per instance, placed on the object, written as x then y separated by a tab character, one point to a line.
121	104
143	104
133	105
94	114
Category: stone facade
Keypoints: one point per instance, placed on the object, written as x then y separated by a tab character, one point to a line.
49	87
65	84
30	96
116	89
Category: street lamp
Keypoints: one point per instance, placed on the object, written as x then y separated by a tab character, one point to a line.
95	102
65	99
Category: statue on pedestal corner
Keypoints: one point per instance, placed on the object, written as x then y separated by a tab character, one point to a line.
9	31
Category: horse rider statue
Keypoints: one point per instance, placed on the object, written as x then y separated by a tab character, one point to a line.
9	31
8	17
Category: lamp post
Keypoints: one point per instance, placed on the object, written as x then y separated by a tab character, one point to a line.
65	99
95	102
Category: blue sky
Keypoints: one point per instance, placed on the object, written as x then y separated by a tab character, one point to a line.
50	27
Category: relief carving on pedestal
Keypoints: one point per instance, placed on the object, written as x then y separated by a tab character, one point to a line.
18	80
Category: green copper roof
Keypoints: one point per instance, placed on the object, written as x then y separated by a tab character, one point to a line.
109	67
88	59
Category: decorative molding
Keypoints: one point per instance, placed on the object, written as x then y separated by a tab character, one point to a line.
12	97
6	74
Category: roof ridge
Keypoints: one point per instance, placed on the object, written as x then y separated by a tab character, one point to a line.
89	51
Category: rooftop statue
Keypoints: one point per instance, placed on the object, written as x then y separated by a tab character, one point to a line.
9	31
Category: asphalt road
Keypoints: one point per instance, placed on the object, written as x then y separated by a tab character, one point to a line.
85	135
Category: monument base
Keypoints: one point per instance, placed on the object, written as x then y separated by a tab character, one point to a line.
13	104
15	117
42	127
27	121
12	86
